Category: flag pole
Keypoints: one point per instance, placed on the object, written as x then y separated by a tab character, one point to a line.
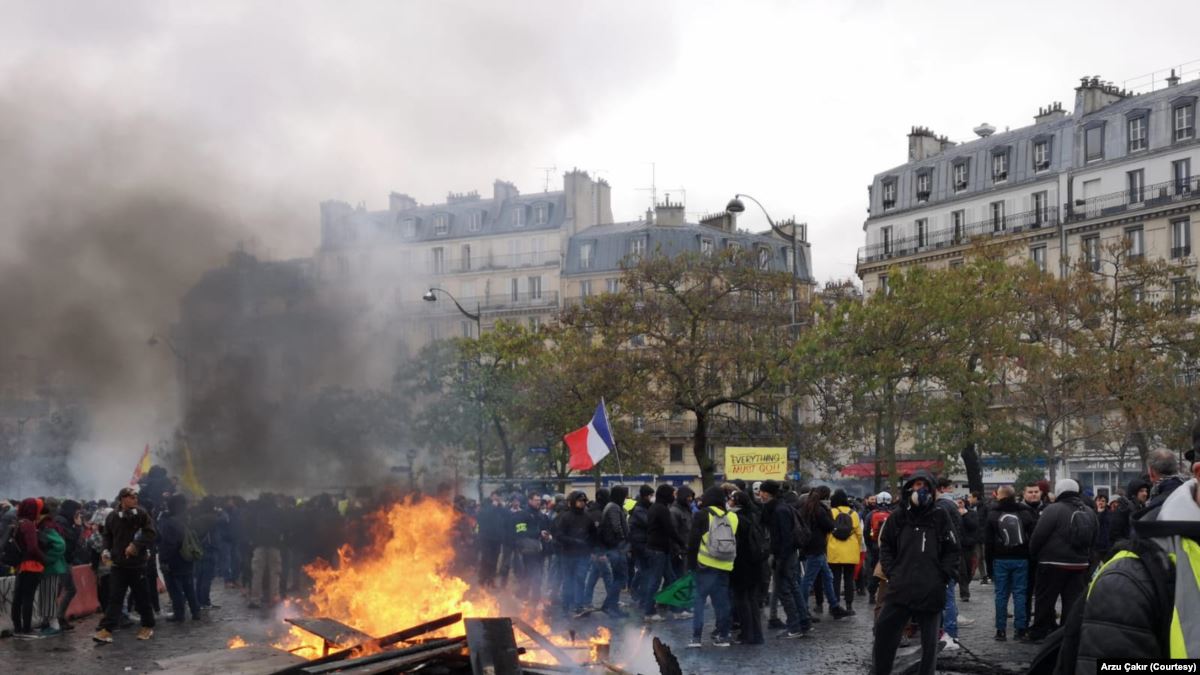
616	452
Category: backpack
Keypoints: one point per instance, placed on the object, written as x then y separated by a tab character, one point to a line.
722	544
190	549
843	526
1081	529
1009	532
756	541
12	554
1061	651
876	523
801	532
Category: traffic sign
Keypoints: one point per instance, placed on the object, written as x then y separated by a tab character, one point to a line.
794	476
793	453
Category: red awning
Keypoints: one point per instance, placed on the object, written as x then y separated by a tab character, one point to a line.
906	466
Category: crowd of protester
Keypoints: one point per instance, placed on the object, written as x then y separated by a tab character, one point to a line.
753	549
767	550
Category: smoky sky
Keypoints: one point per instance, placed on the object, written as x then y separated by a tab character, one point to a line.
142	142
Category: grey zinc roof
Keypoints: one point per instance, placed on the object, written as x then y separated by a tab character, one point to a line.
497	218
611	244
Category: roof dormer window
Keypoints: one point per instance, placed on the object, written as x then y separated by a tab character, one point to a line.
962	174
475	221
764	259
889	193
1041	153
408	228
924	185
518	216
541	214
441	224
1000	165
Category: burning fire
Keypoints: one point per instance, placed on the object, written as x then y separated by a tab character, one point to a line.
402	579
599	645
236	642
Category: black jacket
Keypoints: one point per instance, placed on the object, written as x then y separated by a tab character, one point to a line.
777	522
123	528
1158	495
170	544
574	532
494	524
972	529
992	546
919	552
614	526
1051	543
72	533
661	532
681	516
819	525
639	524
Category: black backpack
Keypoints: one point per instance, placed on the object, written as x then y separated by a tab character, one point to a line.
1081	529
12	554
756	540
1059	654
1009	533
801	532
843	526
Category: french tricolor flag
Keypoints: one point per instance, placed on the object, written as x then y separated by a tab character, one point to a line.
590	444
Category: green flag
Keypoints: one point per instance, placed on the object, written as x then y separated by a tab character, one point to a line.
679	594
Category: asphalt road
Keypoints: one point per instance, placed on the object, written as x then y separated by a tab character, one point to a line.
842	646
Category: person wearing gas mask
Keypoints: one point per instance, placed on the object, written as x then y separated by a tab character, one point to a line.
918	553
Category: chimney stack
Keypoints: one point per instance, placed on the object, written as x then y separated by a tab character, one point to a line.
503	191
923	143
1054	111
400	202
1172	79
1092	94
669	213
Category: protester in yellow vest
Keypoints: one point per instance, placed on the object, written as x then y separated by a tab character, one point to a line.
713	548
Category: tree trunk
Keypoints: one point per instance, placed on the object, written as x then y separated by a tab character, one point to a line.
1048	450
505	446
700	450
878	455
1143	447
890	432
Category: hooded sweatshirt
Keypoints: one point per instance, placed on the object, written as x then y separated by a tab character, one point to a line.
713	501
918	549
614	520
32	558
574	530
661	534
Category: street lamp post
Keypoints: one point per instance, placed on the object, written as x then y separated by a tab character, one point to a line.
736	206
477	317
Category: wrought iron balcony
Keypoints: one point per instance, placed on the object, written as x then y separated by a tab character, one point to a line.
1146	197
949	237
483	263
1181	251
493	302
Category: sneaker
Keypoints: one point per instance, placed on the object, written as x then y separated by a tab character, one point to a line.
949	644
776	624
838	612
25	636
695	643
210	606
1001	636
965	620
50	631
1024	636
722	641
103	636
814	619
145	633
793	634
966	599
683	616
654	618
850	612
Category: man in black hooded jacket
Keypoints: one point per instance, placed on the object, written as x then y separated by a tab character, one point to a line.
918	551
574	531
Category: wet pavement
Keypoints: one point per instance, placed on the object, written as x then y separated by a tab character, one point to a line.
841	646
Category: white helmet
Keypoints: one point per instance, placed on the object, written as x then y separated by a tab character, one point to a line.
884	498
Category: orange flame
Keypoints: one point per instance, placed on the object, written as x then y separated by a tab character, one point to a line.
236	642
402	579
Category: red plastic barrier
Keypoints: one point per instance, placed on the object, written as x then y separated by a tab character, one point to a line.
85	601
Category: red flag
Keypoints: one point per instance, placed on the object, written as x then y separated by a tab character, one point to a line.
142	467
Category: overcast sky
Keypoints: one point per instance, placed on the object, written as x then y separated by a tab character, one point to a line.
796	103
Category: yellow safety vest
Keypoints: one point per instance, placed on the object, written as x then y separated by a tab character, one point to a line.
1185	619
629	504
702	557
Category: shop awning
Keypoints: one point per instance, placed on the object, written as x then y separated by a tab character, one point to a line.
904	466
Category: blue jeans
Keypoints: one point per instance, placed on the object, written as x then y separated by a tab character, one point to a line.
787	585
1011	576
817	566
652	576
711	583
598	569
574	573
618	565
206	571
182	590
950	612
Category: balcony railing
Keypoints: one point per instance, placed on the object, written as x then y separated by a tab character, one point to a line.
483	263
951	236
1146	197
1181	251
493	302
